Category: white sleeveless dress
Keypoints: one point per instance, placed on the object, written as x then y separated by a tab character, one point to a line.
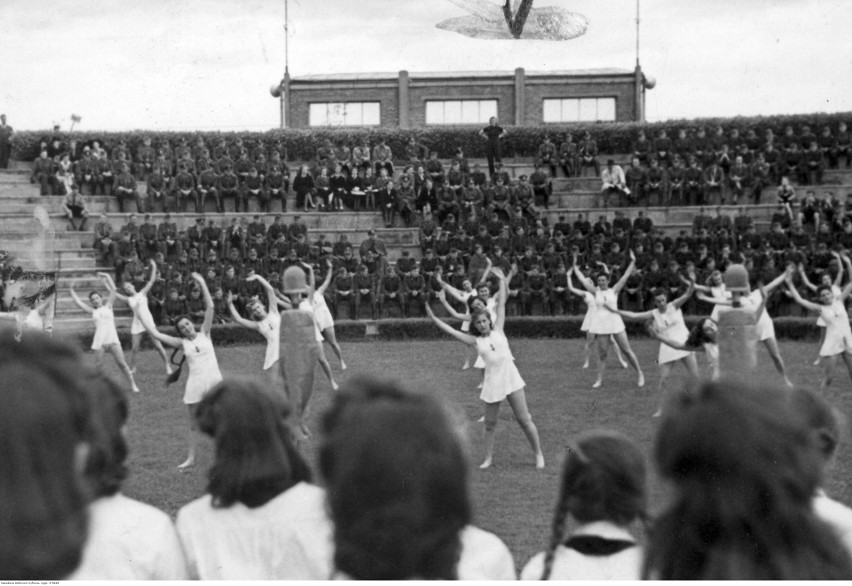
105	334
322	315
138	303
605	322
835	293
270	329
591	308
501	375
838	333
670	323
491	307
203	368
308	306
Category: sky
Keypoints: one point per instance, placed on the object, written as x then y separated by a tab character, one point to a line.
208	64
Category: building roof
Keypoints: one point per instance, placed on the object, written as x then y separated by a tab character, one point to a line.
374	76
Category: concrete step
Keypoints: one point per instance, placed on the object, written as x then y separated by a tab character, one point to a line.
9	244
81	322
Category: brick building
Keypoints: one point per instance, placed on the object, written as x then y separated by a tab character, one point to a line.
451	98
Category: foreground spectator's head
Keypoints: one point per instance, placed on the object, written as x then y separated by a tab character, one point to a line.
105	464
44	428
396	474
603	479
743	467
256	459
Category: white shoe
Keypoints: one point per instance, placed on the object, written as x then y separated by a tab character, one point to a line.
539	461
586	364
597	384
481	419
817	361
133	370
657	413
641	382
466	365
136	389
624	363
342	365
479	386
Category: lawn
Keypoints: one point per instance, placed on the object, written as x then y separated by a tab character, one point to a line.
512	499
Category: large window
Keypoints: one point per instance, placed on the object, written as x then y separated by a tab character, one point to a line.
460	111
344	114
579	110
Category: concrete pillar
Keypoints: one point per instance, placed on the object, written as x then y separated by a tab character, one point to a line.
285	101
404	118
520	95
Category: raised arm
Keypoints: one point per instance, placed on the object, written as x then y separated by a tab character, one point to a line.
778	280
623	280
270	292
669	341
803	302
442	296
641	315
84	306
489	266
839	278
283	301
848	289
460	336
208	304
327	281
586	283
111	297
807	281
252	325
110	285
449	288
170	341
312	280
151	279
503	294
714	300
678	303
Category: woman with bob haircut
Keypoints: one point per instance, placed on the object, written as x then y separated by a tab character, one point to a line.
603	490
744	471
502	379
44	429
396	473
128	539
260	518
198	352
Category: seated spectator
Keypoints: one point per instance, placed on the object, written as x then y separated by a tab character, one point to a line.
614	183
547	155
76	209
44	429
588	154
742	508
261	518
642	148
44	173
636	178
602	489
392	522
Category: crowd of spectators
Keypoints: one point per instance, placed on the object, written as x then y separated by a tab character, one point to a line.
715	167
389	495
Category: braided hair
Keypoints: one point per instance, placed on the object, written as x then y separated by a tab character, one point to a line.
603	478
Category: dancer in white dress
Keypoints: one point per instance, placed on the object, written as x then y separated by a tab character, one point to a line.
589	318
267	324
825	281
200	355
668	321
838	334
702	338
462	295
325	322
765	327
142	318
106	337
606	323
28	316
502	379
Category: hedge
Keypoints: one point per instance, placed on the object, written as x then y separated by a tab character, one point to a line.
521	141
788	328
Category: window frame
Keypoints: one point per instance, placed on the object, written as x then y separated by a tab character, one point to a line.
461	101
579	99
345	104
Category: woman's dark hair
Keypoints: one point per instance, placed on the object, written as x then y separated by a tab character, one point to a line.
697	336
603	479
43	423
743	468
105	465
475	315
822	288
256	459
397	483
177	320
825	422
659	291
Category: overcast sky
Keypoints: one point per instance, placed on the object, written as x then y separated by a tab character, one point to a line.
208	64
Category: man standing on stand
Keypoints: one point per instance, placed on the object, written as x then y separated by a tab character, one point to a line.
492	133
5	142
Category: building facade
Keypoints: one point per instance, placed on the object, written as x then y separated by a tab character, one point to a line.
523	98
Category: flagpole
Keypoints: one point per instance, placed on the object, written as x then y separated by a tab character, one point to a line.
637	33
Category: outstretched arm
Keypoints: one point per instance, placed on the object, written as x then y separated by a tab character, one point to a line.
252	325
678	303
714	300
798	299
270	292
443	297
110	285
839	278
449	288
778	280
848	289
152	330
312	281
207	324
111	297
503	294
460	336
586	283
84	306
640	315
807	281
489	268
151	279
623	280
283	301
327	281
669	341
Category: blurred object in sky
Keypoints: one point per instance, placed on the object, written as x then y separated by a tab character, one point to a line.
515	19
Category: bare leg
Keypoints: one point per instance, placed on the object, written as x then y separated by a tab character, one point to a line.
828	364
665	371
491	412
603	349
821	340
192	440
621	340
99	358
118	354
518	403
847	358
618	354
135	340
331	337
590	339
772	345
162	352
326	367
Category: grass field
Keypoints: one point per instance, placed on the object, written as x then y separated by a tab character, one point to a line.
512	499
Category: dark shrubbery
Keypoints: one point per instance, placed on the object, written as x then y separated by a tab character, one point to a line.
522	141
